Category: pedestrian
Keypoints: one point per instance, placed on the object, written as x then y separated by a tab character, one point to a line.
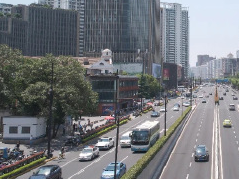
88	122
84	126
64	130
80	128
74	127
31	138
18	145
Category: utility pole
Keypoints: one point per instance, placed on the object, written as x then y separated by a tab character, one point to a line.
116	121
49	155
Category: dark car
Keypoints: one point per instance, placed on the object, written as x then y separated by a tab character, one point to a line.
204	101
224	94
235	98
47	172
72	140
210	93
221	98
155	114
201	153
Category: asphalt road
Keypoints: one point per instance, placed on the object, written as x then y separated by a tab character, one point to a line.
73	169
205	127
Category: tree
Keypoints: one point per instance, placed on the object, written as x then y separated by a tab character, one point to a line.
25	85
149	86
10	61
70	90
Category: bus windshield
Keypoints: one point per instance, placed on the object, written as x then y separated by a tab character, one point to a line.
140	137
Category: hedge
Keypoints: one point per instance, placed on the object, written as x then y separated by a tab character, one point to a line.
17	171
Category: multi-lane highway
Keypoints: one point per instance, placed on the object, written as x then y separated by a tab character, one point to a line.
205	127
73	169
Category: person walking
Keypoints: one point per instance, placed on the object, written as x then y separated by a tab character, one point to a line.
31	138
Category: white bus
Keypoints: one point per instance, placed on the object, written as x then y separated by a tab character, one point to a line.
144	136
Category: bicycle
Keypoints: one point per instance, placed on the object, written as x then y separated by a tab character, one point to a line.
61	156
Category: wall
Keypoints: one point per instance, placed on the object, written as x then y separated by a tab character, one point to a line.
37	129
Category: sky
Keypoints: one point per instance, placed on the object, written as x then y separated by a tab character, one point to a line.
213	29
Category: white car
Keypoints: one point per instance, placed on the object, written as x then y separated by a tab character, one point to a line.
105	143
186	104
162	109
125	140
89	153
201	96
175	108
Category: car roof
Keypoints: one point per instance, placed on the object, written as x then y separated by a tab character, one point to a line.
201	146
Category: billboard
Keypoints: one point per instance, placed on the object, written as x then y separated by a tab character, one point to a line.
166	74
179	72
156	70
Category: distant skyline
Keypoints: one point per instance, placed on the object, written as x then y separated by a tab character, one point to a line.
213	28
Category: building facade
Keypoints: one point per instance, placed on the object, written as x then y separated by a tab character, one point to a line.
5	8
175	34
130	28
40	30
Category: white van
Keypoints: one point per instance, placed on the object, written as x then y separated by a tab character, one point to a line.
125	140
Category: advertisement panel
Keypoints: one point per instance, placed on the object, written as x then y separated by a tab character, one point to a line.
179	72
166	74
156	70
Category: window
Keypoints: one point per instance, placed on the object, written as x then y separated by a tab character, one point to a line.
13	130
26	130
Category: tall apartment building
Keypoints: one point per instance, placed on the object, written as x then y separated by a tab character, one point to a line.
175	35
40	30
5	8
203	59
125	27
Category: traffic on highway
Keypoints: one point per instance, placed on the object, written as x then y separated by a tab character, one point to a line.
207	147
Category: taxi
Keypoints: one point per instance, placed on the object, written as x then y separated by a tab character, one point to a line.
227	123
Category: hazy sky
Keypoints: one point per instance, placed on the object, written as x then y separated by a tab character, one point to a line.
214	26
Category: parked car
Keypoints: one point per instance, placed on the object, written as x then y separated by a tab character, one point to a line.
72	140
204	101
89	153
227	123
155	114
47	172
108	172
221	98
201	153
125	140
105	143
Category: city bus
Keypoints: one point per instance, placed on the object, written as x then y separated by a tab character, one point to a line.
144	136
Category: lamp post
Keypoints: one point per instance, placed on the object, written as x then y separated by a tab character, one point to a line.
50	115
116	121
182	105
165	103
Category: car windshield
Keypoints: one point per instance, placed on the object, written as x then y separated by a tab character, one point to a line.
201	150
44	171
87	151
104	140
125	138
112	168
140	135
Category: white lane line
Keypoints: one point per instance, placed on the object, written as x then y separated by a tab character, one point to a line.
124	158
69	162
190	164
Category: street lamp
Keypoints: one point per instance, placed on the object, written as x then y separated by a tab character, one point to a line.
182	104
116	121
165	103
49	155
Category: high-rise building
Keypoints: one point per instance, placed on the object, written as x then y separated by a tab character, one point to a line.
175	35
5	8
203	59
40	30
129	28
